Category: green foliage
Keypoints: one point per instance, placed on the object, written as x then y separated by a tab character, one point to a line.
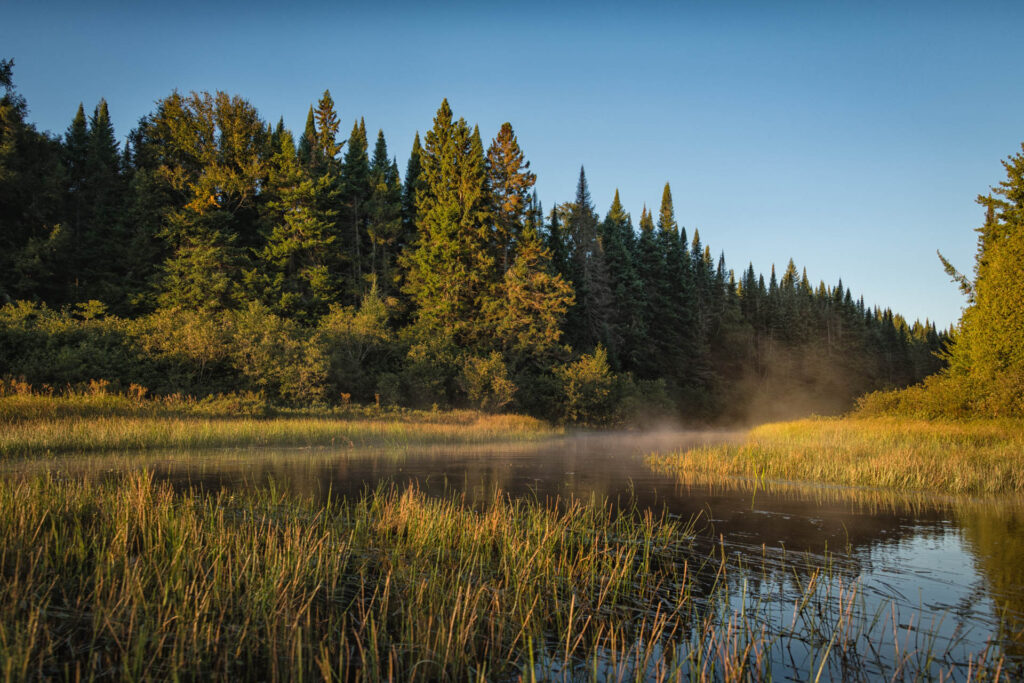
211	255
587	389
986	356
509	180
277	357
450	268
359	345
486	383
529	313
296	272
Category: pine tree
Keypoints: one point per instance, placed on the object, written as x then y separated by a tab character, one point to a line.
410	187
617	238
308	141
325	145
589	321
297	274
384	217
450	269
509	181
355	193
528	315
207	156
987	349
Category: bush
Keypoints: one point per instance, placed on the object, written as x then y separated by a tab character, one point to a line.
587	389
486	383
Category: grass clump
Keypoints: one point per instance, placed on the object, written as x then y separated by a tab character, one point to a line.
976	457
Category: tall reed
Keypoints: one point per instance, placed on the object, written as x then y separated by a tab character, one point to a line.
127	579
978	457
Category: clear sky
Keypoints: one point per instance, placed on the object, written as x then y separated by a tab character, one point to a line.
851	137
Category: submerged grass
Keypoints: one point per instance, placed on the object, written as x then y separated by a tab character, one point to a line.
33	424
977	457
127	579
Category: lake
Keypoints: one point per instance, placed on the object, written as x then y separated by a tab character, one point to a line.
937	579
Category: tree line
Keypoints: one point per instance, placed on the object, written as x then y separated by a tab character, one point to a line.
215	252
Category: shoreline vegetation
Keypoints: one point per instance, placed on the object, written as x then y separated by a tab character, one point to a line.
94	420
401	586
984	456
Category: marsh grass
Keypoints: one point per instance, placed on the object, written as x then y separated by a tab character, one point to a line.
976	457
126	579
92	419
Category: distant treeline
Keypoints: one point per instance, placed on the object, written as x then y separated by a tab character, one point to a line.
214	252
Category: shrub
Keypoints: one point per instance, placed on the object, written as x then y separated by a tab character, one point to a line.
486	383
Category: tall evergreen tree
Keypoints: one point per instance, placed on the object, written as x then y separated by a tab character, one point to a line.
528	314
987	348
384	217
617	238
450	270
410	187
355	193
31	200
589	322
672	326
308	141
325	145
297	273
207	151
509	180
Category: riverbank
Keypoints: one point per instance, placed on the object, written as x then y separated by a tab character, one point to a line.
127	578
962	457
33	424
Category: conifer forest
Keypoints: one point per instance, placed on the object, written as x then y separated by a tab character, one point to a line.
215	252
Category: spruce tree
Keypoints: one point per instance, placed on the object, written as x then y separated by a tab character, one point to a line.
410	187
450	269
509	180
384	217
308	141
672	328
208	157
589	321
297	274
355	193
528	314
325	145
987	354
617	238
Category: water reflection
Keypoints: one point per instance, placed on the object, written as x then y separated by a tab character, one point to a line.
952	567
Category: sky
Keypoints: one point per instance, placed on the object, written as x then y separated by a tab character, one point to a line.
850	137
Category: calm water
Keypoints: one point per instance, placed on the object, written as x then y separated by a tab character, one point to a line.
948	568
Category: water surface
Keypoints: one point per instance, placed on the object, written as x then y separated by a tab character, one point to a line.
949	570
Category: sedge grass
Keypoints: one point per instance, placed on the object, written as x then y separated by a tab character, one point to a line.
33	424
976	457
126	579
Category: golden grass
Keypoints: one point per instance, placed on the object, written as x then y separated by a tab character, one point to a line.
127	579
977	457
32	424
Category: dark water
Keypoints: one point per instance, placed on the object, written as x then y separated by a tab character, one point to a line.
948	570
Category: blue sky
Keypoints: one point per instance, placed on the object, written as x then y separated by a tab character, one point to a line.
851	137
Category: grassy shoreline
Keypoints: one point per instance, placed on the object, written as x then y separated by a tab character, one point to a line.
976	457
127	579
33	424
